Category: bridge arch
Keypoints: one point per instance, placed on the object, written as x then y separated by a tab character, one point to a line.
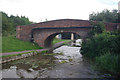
49	39
44	36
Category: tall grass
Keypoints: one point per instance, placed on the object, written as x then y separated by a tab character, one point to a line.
108	63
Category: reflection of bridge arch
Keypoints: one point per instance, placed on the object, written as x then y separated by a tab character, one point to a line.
39	32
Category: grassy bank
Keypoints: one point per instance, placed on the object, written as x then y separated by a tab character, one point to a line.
60	40
0	44
11	44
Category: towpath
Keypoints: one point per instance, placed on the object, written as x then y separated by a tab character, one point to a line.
39	50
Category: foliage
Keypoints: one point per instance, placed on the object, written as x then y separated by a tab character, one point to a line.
108	63
101	43
11	44
9	23
118	17
105	16
101	46
0	44
104	50
97	29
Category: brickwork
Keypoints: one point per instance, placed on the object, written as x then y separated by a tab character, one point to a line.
41	36
45	37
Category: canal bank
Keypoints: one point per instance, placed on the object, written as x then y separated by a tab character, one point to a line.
12	56
66	63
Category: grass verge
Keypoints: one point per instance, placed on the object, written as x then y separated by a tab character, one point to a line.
11	44
16	54
60	40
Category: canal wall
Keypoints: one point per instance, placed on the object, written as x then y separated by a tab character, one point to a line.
30	53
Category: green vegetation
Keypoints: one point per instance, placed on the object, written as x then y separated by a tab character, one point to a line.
36	62
97	29
9	23
0	44
102	43
45	51
63	62
103	48
56	40
106	16
108	63
70	60
11	44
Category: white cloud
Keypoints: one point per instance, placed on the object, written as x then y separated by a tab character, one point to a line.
37	10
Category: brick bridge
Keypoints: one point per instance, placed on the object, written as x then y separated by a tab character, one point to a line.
44	32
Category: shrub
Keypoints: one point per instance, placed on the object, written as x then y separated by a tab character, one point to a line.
98	28
101	44
108	63
104	50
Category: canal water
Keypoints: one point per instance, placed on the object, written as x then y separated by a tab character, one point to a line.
69	64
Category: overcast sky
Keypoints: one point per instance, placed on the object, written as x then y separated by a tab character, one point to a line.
40	10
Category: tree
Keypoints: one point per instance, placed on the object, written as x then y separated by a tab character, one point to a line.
6	24
9	23
98	28
105	16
